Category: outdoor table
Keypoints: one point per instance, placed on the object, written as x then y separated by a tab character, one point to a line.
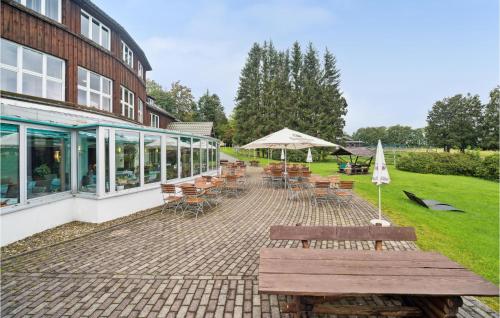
419	275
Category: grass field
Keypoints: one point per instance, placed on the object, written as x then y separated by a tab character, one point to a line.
470	238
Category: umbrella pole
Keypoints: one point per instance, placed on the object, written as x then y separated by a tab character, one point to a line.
286	173
379	203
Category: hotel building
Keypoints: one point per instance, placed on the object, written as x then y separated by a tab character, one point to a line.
79	137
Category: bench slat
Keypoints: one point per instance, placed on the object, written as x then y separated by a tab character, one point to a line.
343	233
335	285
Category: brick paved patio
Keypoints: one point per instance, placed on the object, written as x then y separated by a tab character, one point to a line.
166	265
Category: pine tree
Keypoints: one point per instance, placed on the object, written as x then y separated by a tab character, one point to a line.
210	109
248	97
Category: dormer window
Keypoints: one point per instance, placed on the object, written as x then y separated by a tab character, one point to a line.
49	8
93	29
127	55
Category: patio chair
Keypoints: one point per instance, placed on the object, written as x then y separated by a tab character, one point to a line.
343	193
335	180
266	178
431	204
294	184
193	202
232	187
322	192
170	197
276	178
213	195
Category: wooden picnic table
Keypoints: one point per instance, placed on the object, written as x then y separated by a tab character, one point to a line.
348	272
423	280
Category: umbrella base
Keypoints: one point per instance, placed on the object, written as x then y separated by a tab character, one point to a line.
379	221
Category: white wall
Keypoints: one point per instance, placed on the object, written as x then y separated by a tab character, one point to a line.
22	223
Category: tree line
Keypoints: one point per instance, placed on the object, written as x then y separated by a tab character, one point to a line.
459	122
394	135
180	102
288	88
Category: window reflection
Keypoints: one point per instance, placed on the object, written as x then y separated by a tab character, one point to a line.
49	162
127	158
9	164
196	156
172	158
87	155
185	157
152	159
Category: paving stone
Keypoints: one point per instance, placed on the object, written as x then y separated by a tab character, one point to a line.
166	265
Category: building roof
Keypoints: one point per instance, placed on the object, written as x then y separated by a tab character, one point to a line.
356	151
110	22
194	127
160	110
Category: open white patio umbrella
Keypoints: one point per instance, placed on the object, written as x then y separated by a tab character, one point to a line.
288	139
309	158
380	176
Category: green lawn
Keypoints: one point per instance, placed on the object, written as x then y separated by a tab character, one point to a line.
470	238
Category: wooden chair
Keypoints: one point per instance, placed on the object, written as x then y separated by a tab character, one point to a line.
170	198
322	192
193	202
213	195
231	187
276	178
344	193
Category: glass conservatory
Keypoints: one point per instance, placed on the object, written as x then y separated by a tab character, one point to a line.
41	161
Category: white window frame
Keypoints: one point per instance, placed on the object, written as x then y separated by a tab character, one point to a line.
107	46
140	110
42	9
101	93
140	70
127	55
127	108
154	120
20	71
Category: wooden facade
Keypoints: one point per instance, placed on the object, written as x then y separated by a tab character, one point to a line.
63	40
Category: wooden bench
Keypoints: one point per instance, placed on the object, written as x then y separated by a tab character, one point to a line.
426	284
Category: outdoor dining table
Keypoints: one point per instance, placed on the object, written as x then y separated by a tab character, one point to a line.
326	272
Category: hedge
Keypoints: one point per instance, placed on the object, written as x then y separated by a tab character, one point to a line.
463	164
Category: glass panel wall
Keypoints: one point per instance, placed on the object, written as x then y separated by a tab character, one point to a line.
127	160
185	157
204	156
196	157
172	167
9	164
49	162
152	159
87	158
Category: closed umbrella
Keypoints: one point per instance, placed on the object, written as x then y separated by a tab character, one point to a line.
282	155
309	158
380	176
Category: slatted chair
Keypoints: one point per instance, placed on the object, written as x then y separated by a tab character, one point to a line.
322	304
231	187
276	178
170	198
322	192
214	195
193	202
344	194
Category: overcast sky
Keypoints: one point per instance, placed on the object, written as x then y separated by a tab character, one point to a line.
396	56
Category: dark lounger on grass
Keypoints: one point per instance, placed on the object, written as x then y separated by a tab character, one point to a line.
431	204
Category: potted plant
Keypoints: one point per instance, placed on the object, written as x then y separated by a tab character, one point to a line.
41	172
